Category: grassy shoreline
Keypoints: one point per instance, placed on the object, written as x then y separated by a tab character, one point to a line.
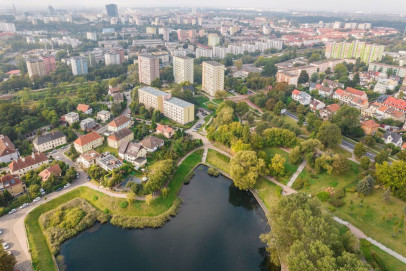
42	258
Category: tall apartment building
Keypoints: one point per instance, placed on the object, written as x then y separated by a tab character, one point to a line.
49	63
112	58
204	52
112	10
79	65
35	67
213	77
165	33
213	40
179	110
91	36
355	49
183	69
8	27
152	98
148	68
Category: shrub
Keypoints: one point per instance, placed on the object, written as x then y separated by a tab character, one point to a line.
95	198
298	184
124	204
213	172
106	211
336	202
323	196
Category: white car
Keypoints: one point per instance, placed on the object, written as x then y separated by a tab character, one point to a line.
5	245
24	205
12	211
37	199
1	232
66	185
58	158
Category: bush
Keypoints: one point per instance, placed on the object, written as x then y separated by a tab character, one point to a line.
323	196
336	202
95	198
213	172
124	204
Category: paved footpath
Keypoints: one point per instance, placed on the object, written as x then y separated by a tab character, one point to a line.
297	173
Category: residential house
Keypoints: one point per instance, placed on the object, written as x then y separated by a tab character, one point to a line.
119	123
113	90
380	87
84	108
370	127
392	113
332	84
118	97
49	141
109	162
301	97
71	117
116	139
12	184
316	105
87	142
397	104
325	91
329	110
133	152
394	138
87	124
152	143
104	115
8	152
88	158
352	97
23	165
165	130
53	170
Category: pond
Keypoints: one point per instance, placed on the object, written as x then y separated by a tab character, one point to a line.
217	228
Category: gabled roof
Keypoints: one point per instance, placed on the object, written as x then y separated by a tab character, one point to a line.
165	129
395	136
90	155
28	161
370	124
6	146
333	107
41	139
46	173
8	181
117	122
355	91
86	139
295	92
123	133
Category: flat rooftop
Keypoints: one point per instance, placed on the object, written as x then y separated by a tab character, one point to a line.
213	63
154	91
179	102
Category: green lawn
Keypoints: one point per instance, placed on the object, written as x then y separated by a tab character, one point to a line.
382	222
391	263
105	148
289	168
340	150
218	160
217	101
172	123
268	192
41	256
201	100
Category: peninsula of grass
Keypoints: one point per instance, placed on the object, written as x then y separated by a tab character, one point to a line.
218	160
159	209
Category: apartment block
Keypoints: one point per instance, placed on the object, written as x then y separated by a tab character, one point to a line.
213	77
79	65
35	67
355	49
49	141
183	69
152	98
213	40
204	52
148	68
49	63
179	110
88	142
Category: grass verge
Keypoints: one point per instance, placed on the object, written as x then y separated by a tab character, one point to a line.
218	160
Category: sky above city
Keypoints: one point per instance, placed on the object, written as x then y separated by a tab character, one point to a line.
328	5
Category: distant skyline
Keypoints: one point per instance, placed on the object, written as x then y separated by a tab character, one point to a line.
395	6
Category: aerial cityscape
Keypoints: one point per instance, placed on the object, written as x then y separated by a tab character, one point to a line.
212	136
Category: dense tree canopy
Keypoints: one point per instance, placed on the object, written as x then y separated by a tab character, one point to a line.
245	168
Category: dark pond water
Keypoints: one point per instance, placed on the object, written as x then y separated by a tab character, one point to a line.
217	228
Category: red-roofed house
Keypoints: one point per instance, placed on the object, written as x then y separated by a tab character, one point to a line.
23	165
329	110
46	173
87	142
8	152
370	127
84	108
396	103
119	123
13	72
12	184
165	130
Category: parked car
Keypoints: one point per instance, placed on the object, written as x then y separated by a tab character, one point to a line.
58	158
59	189
37	199
77	175
1	232
12	211
24	205
5	245
42	191
66	185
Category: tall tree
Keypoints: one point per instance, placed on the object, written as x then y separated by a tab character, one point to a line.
329	135
303	77
245	169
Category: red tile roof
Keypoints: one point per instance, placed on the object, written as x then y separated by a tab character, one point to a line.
117	122
296	92
6	146
86	139
83	107
355	91
396	103
27	161
9	180
165	129
333	107
46	173
370	124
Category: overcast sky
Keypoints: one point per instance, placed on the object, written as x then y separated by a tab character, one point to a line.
330	5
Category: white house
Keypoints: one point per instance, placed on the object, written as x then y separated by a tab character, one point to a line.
301	97
392	137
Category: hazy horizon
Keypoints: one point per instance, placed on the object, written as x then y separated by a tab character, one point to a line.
389	6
